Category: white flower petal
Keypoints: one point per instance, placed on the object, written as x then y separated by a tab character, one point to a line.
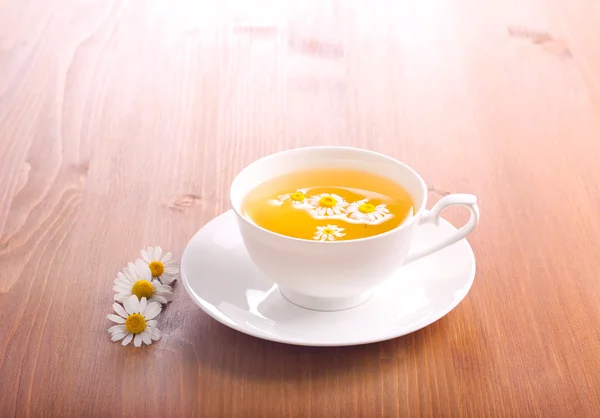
172	270
127	339
157	253
125	282
118	336
126	292
145	256
151	323
122	284
117	328
116	318
134	302
167	258
146	337
158	299
152	310
155	333
122	289
143	270
134	272
131	272
137	340
123	278
158	287
143	303
167	279
119	309
120	297
127	305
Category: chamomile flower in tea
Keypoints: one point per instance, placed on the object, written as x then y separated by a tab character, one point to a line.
328	204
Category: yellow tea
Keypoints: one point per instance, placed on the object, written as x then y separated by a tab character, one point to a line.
328	204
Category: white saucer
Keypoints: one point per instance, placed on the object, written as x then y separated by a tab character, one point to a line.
220	277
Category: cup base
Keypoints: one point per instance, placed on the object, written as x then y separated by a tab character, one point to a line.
316	303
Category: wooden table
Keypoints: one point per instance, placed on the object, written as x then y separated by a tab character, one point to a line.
122	124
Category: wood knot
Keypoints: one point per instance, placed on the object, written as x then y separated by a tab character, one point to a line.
534	36
4	243
81	168
185	201
541	39
255	30
317	47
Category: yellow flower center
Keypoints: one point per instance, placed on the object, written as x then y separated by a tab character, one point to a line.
366	208
297	197
327	202
142	289
157	268
328	231
135	323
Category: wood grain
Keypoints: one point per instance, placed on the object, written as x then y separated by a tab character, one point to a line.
122	122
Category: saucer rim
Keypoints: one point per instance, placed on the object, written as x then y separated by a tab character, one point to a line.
225	320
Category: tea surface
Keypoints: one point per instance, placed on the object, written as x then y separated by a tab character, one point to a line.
328	204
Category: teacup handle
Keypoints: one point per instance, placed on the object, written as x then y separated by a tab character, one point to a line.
433	216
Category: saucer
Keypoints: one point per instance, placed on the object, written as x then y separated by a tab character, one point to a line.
218	274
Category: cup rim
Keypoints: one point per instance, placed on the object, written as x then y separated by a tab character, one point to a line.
400	227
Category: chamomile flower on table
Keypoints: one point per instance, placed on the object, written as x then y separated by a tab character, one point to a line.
161	266
138	281
328	233
365	211
135	321
327	204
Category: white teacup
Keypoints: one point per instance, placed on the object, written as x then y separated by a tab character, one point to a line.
338	275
